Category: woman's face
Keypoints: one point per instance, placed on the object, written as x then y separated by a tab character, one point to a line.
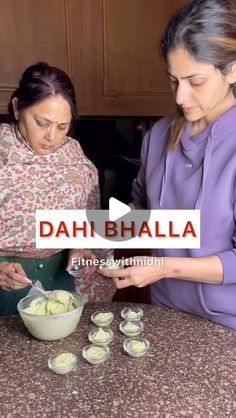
44	125
201	90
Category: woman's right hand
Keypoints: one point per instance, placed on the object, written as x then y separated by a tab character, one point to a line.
12	276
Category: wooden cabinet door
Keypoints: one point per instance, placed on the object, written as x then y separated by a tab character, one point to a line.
124	74
108	47
77	45
30	31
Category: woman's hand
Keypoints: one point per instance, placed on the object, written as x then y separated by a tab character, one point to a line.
143	271
78	255
146	270
12	276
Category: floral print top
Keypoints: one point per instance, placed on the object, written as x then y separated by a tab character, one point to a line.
64	179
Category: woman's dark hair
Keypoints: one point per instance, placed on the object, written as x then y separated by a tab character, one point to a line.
207	29
39	82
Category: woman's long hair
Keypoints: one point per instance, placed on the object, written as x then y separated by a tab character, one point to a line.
207	29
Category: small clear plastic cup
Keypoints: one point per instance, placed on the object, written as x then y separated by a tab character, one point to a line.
136	347
100	336
132	314
131	329
62	363
102	318
95	354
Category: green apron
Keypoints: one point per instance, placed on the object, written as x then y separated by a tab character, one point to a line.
49	271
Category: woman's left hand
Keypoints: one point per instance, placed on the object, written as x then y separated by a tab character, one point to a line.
79	254
143	271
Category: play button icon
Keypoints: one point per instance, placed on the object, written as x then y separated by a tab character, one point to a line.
117	209
118	223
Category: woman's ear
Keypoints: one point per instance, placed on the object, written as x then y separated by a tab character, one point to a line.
15	107
231	76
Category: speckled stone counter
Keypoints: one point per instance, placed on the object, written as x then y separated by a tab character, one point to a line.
190	371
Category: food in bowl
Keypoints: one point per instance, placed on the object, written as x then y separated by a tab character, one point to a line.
111	264
102	319
132	314
62	363
131	329
100	336
59	301
53	323
136	347
95	354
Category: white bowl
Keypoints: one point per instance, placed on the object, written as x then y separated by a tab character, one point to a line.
51	327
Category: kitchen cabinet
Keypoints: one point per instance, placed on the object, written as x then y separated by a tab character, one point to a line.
108	47
30	31
124	73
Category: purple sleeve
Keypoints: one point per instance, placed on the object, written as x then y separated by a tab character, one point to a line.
228	260
139	184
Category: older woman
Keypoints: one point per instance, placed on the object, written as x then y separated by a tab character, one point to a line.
42	167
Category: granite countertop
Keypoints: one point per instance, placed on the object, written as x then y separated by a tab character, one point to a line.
190	371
